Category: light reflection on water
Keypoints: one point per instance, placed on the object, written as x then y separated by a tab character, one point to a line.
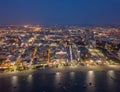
58	77
30	78
72	75
90	77
14	81
111	77
30	81
111	73
90	81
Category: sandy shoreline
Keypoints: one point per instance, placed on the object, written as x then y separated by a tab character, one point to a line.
63	69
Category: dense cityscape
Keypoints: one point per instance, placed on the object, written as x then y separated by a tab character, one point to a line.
24	47
63	57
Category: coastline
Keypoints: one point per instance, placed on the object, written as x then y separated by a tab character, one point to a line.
63	69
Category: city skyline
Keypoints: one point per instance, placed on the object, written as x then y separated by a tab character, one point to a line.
65	12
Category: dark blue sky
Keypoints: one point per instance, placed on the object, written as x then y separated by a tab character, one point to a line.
59	12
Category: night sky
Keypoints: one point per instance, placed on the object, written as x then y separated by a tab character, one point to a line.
60	12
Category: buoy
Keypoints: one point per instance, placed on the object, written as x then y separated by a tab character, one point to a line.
90	83
15	87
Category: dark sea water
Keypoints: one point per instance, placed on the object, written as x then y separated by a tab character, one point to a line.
86	81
